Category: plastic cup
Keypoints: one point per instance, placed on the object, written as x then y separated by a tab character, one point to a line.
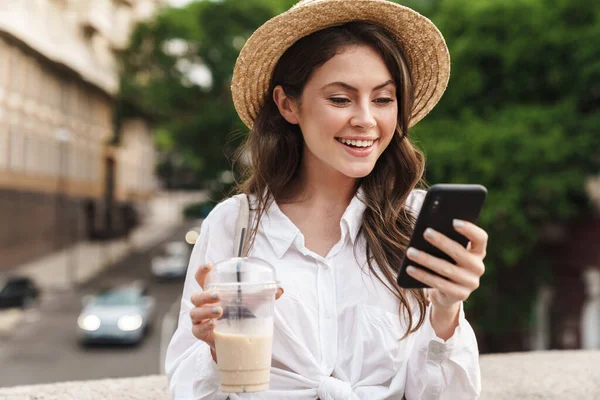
244	334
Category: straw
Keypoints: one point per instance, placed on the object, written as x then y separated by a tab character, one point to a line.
239	273
241	247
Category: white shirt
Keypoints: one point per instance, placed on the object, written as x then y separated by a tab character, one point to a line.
336	328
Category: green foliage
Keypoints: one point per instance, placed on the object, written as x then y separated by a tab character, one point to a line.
520	116
154	80
199	210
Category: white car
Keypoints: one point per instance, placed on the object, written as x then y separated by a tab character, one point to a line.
119	314
173	260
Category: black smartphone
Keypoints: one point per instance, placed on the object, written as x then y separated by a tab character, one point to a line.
442	204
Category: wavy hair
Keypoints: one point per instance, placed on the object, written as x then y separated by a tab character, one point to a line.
275	148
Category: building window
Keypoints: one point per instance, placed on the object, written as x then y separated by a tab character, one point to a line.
28	161
33	154
39	85
53	158
16	69
29	77
17	149
44	90
4	59
13	67
3	141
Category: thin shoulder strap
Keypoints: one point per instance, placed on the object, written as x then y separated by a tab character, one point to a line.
241	227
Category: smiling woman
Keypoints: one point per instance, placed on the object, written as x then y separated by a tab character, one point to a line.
329	91
322	97
346	124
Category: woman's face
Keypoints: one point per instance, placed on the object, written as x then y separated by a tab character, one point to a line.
348	112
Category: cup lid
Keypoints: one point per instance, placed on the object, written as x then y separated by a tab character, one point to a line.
241	271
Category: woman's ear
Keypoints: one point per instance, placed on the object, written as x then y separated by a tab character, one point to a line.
287	107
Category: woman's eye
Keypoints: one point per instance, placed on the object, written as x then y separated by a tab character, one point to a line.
339	100
384	100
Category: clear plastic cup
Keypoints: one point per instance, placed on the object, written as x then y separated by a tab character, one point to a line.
244	334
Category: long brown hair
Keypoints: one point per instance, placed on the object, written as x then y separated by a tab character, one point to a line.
275	148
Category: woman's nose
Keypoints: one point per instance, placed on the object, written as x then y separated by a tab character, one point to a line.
363	117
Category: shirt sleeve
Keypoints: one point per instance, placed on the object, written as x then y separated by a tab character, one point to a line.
191	371
438	369
444	370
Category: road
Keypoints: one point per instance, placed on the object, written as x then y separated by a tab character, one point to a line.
44	347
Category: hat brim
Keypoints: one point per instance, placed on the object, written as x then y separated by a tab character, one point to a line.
422	43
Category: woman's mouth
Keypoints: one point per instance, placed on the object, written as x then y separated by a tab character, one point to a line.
357	148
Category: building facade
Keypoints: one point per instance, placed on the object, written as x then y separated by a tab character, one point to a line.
61	180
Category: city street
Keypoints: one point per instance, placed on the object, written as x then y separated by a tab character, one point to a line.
44	346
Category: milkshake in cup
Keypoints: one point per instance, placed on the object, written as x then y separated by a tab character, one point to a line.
244	334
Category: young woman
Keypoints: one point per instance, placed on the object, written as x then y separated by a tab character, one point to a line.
329	90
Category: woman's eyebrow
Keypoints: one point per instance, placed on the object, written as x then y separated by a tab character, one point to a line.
352	88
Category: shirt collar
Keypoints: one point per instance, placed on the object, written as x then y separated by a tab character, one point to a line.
353	215
281	231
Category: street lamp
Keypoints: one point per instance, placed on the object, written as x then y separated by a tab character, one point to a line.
63	135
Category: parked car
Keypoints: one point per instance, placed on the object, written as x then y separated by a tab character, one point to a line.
116	315
18	291
172	261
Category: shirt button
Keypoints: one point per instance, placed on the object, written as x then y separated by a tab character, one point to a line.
328	314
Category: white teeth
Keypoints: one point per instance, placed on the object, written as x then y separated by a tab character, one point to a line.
358	143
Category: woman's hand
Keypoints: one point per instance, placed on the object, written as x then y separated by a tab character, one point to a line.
206	310
463	278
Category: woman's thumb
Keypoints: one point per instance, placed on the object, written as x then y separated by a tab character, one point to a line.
201	273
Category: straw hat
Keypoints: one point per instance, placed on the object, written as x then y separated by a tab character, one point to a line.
423	45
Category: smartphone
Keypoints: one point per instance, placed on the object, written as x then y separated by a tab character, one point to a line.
442	204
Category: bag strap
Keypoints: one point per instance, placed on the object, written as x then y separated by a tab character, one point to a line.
240	247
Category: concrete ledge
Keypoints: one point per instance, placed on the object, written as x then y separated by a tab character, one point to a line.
537	375
541	375
143	388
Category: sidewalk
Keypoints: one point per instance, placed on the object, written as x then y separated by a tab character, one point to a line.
78	264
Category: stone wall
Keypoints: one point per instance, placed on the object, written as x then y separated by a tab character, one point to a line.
35	224
550	375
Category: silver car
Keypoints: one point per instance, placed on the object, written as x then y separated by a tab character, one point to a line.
117	315
172	262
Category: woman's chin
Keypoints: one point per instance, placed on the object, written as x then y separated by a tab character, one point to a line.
357	172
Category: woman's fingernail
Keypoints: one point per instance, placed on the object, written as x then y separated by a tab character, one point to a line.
211	322
217	310
430	233
410	269
458	223
412	252
214	295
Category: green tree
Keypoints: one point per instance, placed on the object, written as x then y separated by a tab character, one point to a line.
160	64
520	116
